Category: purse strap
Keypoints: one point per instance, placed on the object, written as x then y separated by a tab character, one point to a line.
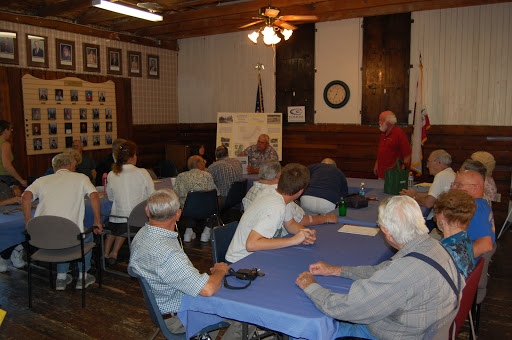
227	285
397	164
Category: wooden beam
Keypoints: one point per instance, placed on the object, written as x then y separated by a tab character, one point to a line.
97	15
69	27
59	8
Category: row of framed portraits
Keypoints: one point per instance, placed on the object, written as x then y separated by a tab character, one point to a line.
55	143
37	52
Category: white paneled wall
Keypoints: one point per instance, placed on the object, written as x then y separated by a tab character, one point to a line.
467	59
217	74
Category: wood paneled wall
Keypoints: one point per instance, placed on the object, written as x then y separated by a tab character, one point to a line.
353	147
11	109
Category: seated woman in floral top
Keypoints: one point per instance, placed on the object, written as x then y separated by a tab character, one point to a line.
453	210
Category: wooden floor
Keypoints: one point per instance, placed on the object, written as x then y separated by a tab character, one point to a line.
117	310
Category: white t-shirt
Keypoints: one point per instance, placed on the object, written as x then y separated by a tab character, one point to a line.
442	183
127	189
265	216
62	194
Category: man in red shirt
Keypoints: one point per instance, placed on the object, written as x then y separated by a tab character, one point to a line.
393	144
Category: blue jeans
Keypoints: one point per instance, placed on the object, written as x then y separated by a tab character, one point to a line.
355	330
63	267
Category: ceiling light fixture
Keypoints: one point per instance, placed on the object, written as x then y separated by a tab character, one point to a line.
110	6
269	34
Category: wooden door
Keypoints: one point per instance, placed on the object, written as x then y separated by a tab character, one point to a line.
295	72
386	49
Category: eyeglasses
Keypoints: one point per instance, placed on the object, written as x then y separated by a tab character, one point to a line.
460	185
431	161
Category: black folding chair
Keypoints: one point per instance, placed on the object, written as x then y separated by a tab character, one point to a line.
168	168
221	238
202	205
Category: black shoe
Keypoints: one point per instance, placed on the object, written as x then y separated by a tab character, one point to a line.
111	260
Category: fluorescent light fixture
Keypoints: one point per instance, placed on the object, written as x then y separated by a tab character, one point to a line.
110	6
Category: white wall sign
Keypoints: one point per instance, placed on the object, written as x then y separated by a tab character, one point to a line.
296	114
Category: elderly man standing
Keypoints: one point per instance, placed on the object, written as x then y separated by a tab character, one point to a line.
396	299
225	171
62	194
258	153
157	256
327	185
438	165
87	166
481	230
196	179
393	144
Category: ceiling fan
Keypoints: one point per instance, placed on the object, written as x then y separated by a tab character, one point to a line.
272	23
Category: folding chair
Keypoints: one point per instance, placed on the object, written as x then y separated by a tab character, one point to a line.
482	285
202	205
236	193
221	238
468	300
58	240
168	168
156	316
137	219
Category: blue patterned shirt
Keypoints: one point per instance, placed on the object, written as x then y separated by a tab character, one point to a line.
255	157
157	256
225	172
461	249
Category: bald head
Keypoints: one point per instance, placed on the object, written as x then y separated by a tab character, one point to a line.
196	162
387	120
471	182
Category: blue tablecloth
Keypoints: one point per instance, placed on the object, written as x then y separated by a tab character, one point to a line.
275	301
12	225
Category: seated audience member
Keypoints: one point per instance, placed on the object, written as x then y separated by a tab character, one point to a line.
127	186
453	210
104	166
62	194
470	164
199	150
261	151
327	185
87	166
157	256
15	253
490	189
438	165
481	227
261	225
196	179
396	299
225	171
269	177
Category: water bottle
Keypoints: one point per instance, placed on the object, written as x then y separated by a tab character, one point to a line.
362	189
411	180
104	179
342	208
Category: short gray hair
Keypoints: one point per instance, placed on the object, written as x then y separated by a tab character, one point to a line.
471	164
266	137
391	118
75	154
442	156
62	160
269	170
487	160
163	205
402	218
329	161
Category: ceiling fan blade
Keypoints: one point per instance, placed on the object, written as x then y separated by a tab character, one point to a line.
252	24
272	12
284	24
299	17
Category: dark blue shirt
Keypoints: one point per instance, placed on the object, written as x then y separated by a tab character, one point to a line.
327	182
461	249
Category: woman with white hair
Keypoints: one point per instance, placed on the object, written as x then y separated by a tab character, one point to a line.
490	190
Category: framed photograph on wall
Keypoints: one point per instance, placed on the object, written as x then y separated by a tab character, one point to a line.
8	47
153	67
134	64
114	61
91	57
37	51
65	54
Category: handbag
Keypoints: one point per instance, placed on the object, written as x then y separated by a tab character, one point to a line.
356	201
395	179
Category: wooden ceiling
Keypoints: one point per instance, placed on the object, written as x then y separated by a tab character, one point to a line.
192	18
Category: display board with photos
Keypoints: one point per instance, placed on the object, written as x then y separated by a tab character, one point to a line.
238	131
56	112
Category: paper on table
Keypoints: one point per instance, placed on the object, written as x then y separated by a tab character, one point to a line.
423	185
355	229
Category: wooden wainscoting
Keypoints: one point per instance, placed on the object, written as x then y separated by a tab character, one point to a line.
353	147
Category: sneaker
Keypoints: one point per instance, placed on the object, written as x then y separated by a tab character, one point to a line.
3	265
205	336
61	284
17	257
89	280
205	236
189	235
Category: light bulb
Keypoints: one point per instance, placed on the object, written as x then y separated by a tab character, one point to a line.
287	33
254	37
